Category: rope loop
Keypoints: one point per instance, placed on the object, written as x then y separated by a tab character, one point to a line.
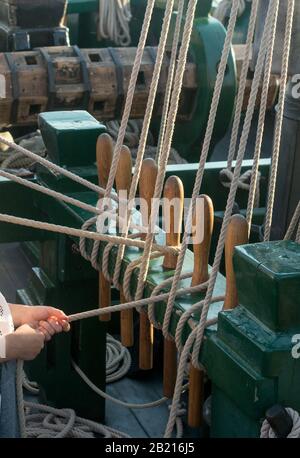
244	182
267	432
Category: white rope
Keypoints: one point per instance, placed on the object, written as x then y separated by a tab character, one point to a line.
113	22
279	118
267	432
118	360
82	233
145	129
222	11
43	421
197	336
293	224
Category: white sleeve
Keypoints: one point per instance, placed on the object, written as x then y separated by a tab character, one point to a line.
6	324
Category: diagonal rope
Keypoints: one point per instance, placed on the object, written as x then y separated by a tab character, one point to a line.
196	336
145	128
254	184
189	20
129	97
279	118
200	172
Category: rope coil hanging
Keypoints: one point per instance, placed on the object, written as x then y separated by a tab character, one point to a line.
114	20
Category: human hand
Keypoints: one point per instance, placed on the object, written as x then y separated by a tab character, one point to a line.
53	326
48	319
25	343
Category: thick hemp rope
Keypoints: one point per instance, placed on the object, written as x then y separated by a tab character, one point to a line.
254	185
293	224
170	80
127	110
199	331
200	172
267	432
113	21
129	97
145	128
227	173
279	118
223	9
189	20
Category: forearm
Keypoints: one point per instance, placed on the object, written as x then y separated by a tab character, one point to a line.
17	312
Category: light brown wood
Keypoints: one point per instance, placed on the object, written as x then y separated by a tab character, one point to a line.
237	234
127	330
201	250
202	230
170	368
239	51
196	397
32	76
173	214
123	182
146	190
104	154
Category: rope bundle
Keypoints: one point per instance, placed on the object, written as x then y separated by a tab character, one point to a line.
113	21
222	11
267	432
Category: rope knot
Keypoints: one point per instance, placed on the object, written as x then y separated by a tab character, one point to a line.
226	177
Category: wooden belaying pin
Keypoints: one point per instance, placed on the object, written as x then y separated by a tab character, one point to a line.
173	214
147	181
203	228
123	183
201	248
104	154
237	234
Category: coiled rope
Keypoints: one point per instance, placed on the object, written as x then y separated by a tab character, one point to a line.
222	11
113	21
267	432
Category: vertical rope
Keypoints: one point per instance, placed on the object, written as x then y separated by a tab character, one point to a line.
170	81
20	398
204	153
279	118
242	85
199	331
293	224
130	95
145	129
189	20
268	29
260	126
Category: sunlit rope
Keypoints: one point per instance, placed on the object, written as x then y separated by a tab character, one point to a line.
114	20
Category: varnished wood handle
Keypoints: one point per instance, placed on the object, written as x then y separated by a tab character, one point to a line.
104	154
173	213
203	229
147	181
123	183
196	397
237	234
146	190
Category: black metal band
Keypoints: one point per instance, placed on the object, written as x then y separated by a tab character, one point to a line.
120	89
15	87
85	78
51	79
